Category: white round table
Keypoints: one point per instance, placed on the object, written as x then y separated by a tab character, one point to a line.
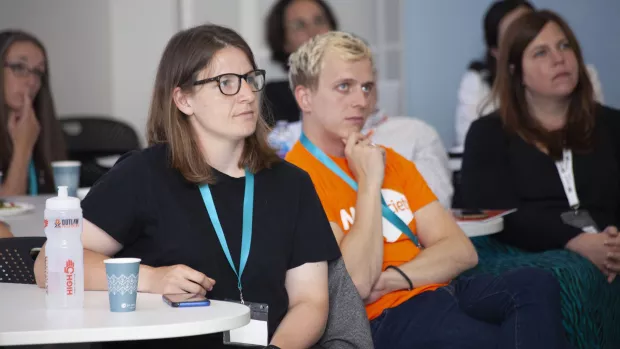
28	223
473	229
25	319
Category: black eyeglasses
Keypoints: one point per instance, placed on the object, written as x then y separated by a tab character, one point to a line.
22	70
230	84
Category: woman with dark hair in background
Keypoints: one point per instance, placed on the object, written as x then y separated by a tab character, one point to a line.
551	150
30	134
290	23
476	84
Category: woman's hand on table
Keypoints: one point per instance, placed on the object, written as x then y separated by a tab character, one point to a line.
176	279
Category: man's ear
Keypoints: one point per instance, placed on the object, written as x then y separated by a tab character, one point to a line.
181	100
303	96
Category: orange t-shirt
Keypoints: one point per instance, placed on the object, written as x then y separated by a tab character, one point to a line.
404	191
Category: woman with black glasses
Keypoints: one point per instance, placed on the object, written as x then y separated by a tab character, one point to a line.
30	134
208	206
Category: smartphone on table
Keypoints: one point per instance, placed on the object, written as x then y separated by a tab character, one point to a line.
469	214
186	300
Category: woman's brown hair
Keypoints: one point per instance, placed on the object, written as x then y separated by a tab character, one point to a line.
186	54
509	89
50	145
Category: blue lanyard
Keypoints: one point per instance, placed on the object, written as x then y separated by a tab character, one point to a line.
332	166
32	177
246	235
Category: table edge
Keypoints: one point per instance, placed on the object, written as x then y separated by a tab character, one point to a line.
94	335
484	229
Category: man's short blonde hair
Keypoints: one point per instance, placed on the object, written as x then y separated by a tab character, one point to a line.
306	63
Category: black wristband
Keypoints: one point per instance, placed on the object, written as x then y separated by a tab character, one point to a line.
271	346
402	274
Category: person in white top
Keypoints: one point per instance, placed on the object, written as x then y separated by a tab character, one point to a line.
475	87
417	141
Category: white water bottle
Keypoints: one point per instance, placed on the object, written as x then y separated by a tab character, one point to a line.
64	254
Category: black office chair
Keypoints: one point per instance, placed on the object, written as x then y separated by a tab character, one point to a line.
89	138
17	257
457	197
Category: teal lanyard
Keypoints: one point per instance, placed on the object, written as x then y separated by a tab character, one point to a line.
246	235
32	177
332	166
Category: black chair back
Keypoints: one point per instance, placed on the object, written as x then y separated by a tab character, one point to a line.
89	138
17	257
98	136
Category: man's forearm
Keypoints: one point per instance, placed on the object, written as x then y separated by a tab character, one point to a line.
362	246
302	327
439	263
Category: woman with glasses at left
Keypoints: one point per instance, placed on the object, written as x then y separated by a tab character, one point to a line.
208	207
30	134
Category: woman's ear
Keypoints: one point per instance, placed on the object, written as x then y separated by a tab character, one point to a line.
495	53
303	97
182	101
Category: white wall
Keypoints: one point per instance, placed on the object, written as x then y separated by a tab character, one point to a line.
139	31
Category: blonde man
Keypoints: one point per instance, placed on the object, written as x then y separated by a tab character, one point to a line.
382	212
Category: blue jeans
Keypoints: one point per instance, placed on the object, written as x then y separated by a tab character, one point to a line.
518	310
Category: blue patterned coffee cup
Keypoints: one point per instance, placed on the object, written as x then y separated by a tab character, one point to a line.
122	274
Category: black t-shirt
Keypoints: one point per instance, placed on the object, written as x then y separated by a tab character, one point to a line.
501	170
161	218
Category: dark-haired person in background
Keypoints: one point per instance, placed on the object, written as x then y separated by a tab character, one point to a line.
290	23
551	150
30	134
474	91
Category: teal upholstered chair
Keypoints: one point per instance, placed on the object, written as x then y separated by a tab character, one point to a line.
590	306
